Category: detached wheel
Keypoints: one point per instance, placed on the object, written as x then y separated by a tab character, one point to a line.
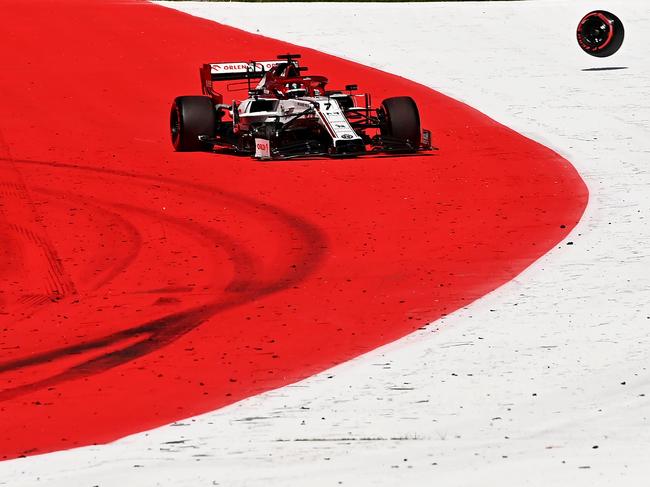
401	121
600	33
190	117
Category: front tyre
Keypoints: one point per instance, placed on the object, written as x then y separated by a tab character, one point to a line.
600	33
190	117
400	122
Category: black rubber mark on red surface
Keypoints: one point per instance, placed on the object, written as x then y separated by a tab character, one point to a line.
161	332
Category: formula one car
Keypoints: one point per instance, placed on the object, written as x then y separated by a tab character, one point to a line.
289	114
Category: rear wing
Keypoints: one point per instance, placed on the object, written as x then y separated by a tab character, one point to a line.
242	70
252	70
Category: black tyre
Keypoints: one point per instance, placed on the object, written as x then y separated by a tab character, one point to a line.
600	33
400	122
190	117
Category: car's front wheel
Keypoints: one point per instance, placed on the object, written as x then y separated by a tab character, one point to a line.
191	117
600	33
400	123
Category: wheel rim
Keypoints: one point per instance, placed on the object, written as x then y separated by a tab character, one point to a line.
596	31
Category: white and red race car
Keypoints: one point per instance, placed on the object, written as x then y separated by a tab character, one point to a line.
288	114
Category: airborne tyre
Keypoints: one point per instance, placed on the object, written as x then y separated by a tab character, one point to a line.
600	33
401	121
190	117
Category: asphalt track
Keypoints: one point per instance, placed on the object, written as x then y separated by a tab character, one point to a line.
140	286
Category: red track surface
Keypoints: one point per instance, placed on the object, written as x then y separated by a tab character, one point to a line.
140	286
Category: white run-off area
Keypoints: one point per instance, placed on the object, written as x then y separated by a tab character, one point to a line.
544	382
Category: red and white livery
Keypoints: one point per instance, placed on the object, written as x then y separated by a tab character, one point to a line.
291	114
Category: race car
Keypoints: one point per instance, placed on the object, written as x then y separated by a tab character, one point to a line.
290	114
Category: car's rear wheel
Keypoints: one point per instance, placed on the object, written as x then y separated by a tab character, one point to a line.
600	33
190	117
400	122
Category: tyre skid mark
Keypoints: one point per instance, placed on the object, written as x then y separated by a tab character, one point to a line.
248	284
315	239
60	283
135	236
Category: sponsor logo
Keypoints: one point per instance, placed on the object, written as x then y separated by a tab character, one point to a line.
347	136
243	67
262	149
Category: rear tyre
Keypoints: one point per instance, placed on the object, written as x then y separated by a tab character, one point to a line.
600	33
190	117
401	121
